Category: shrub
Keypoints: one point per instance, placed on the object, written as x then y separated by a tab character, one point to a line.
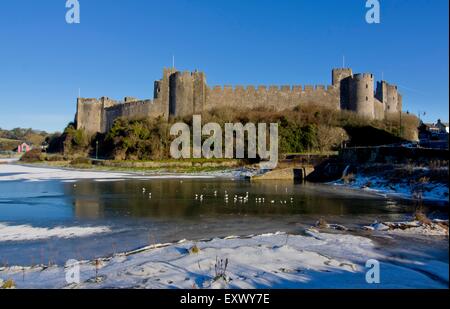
142	139
34	155
422	218
9	284
194	250
330	138
54	158
220	269
74	140
80	161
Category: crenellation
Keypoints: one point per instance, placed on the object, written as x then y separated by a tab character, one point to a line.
239	90
262	89
308	88
180	94
331	88
320	87
250	89
297	89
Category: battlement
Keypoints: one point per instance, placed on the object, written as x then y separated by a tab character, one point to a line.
250	89
88	101
271	96
363	76
129	104
182	93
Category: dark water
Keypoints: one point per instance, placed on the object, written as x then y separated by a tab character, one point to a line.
173	213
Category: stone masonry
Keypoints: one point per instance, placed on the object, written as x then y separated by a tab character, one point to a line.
180	94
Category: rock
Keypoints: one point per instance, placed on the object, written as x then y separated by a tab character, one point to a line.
338	227
380	226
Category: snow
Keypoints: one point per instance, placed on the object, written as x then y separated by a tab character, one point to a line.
314	260
12	172
16	172
437	192
27	232
8	160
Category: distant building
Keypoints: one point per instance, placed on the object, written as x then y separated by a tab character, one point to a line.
23	148
44	146
434	135
442	126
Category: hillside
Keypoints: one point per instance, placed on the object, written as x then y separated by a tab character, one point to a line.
10	139
301	130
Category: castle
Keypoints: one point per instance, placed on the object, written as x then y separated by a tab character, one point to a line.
180	94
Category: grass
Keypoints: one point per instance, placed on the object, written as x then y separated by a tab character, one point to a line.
220	269
194	250
191	169
8	144
9	284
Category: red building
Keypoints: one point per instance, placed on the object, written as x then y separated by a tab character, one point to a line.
24	147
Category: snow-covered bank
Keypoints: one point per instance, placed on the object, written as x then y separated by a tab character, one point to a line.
8	160
27	232
13	172
432	228
315	260
432	192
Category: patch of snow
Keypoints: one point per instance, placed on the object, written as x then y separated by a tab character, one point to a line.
27	232
9	172
279	260
434	228
8	160
432	191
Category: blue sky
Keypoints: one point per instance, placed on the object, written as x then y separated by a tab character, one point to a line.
121	46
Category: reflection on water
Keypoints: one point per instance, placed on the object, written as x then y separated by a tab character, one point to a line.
176	199
172	212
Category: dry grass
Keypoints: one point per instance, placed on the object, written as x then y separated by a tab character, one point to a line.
422	218
322	224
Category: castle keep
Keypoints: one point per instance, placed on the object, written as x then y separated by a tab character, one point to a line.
180	94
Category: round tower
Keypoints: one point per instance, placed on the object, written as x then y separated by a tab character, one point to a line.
392	100
361	95
181	98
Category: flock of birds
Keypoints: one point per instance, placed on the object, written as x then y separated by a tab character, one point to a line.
149	194
242	199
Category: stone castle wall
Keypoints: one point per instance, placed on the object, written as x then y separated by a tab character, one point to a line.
132	110
272	97
179	94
